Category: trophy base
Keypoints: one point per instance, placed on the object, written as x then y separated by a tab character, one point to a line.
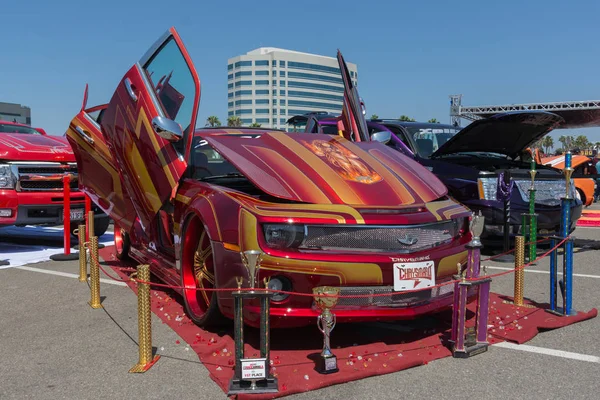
470	351
238	386
327	365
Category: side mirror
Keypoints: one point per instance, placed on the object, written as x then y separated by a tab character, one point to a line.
167	129
382	137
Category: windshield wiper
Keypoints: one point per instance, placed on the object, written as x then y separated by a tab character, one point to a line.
226	176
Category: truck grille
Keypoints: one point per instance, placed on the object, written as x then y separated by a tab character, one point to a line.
45	177
547	193
399	239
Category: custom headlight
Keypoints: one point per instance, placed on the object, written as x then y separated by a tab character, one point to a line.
488	188
7	180
284	236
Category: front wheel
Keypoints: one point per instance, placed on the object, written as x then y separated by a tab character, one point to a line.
122	243
197	272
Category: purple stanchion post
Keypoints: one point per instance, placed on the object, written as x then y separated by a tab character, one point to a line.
467	343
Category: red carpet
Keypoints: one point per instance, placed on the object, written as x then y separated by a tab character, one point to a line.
363	350
589	218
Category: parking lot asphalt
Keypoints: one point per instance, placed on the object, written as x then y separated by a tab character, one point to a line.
54	346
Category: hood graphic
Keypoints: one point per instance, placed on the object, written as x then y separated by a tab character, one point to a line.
508	133
321	169
29	147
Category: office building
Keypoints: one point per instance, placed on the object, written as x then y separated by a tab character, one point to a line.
15	113
269	85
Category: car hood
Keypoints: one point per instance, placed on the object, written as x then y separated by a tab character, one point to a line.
28	147
508	133
324	169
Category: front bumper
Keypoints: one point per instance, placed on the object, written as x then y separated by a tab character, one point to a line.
363	275
38	208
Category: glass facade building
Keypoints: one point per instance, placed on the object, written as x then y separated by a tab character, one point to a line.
269	85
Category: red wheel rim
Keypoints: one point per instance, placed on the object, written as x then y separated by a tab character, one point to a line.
199	273
118	235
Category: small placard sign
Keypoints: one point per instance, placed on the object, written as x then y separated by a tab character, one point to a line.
254	368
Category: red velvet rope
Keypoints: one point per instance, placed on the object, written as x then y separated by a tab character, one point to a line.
349	296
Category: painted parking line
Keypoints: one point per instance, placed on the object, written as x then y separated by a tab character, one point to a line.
67	275
536	271
549	352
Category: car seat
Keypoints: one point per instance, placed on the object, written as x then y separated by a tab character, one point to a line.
425	147
200	165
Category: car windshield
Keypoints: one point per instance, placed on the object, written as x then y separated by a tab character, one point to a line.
429	139
207	163
9	128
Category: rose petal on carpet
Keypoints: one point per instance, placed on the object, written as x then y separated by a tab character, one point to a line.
362	350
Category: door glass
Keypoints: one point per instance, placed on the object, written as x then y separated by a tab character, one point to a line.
173	84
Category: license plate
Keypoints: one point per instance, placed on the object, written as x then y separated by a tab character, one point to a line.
416	275
76	214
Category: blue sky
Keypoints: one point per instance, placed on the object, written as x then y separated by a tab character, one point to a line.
410	55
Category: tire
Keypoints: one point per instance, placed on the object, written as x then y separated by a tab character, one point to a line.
122	243
582	195
197	270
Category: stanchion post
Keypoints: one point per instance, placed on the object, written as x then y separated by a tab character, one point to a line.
88	209
82	253
519	272
146	361
66	255
94	274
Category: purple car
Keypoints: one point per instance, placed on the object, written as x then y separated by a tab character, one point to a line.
469	161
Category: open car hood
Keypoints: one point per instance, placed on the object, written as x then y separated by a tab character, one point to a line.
508	133
321	169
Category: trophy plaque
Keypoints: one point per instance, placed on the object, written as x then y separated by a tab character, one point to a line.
252	374
326	299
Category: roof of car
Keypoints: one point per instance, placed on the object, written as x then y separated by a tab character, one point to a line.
413	123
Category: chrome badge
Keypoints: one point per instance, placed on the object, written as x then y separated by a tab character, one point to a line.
408	240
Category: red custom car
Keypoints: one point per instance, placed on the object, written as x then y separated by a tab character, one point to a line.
324	210
32	166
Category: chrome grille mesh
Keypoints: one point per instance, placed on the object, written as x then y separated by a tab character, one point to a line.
400	239
547	193
44	176
393	299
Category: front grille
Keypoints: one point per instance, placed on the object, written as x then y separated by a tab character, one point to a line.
399	239
547	193
44	177
392	299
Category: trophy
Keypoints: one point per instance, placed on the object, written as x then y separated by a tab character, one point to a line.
251	374
568	172
476	228
326	299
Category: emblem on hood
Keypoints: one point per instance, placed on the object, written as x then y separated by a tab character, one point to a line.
347	164
408	240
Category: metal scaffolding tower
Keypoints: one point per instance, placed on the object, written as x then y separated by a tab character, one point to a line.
577	114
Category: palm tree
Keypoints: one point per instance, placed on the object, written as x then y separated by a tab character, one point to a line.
255	125
213	121
374	116
433	121
234	121
547	143
406	118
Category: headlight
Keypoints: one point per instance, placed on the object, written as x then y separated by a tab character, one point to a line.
7	180
282	236
488	188
280	283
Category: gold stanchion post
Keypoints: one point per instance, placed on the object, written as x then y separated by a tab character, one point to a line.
90	224
146	361
519	271
82	254
94	274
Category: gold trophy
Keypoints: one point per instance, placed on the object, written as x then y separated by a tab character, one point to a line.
252	374
326	299
251	260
